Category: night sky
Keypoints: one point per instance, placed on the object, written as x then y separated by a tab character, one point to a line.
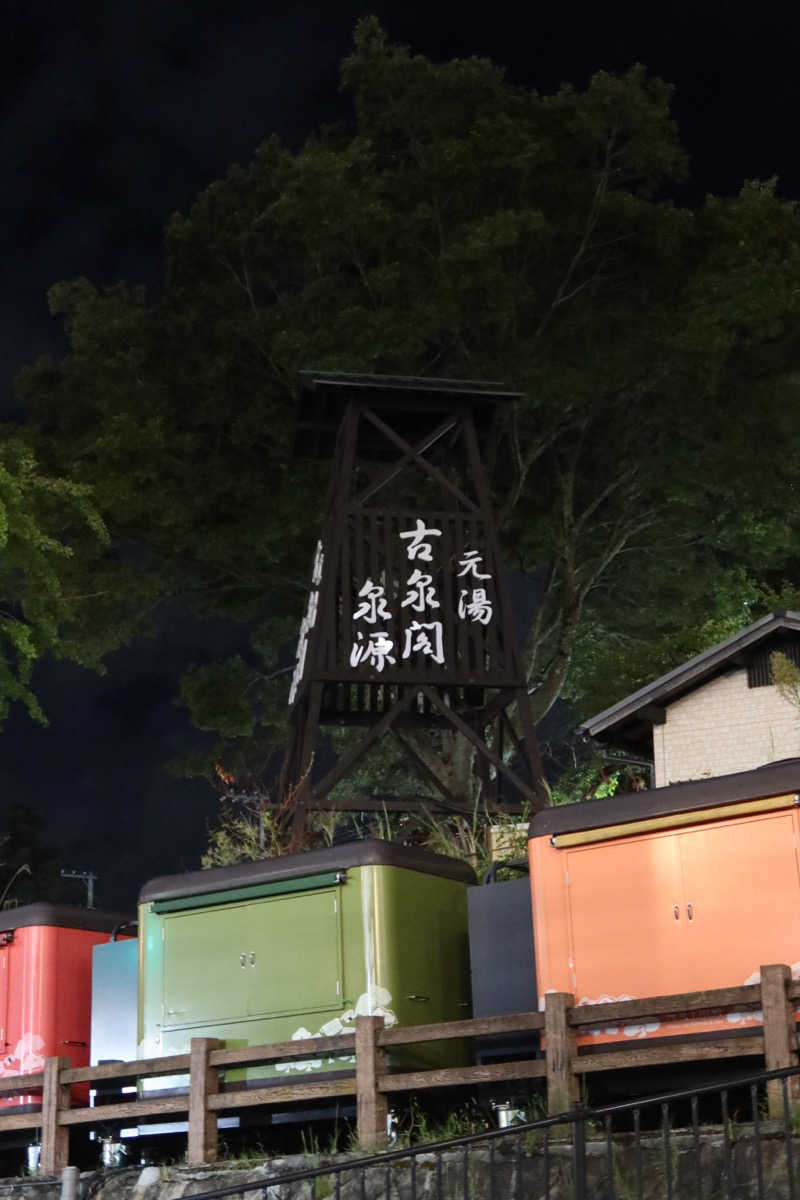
114	116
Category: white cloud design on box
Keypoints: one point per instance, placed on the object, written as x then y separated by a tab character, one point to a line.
375	1002
27	1057
756	1016
639	1030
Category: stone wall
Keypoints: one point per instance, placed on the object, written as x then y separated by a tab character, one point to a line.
518	1169
723	727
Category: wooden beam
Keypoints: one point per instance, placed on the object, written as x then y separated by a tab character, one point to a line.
349	760
284	1093
426	772
27	1120
404	1035
780	1037
412	1081
22	1084
55	1102
429	468
562	1083
386	476
203	1082
343	1043
172	1064
130	1109
370	1067
478	742
636	1054
683	1004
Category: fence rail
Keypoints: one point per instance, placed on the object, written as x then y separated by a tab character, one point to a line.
561	1064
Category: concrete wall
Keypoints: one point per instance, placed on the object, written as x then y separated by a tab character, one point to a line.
723	727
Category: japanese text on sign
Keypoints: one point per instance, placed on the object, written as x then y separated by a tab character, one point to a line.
422	637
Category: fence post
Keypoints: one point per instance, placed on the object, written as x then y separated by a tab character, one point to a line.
372	1105
203	1082
55	1099
780	1038
562	1084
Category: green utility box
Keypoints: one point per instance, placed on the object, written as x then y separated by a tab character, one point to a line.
297	947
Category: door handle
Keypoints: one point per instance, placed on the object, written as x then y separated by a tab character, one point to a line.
676	912
690	912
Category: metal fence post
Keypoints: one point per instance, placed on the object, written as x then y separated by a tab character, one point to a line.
372	1105
562	1083
203	1082
579	1153
55	1099
780	1039
70	1179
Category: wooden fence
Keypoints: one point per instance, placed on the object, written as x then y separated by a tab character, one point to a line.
561	1065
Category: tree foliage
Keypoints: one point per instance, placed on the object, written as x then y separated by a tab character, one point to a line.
462	227
48	526
786	677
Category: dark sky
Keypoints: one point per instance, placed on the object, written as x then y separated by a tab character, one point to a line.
115	114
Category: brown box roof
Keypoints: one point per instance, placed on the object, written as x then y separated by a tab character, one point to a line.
774	779
372	852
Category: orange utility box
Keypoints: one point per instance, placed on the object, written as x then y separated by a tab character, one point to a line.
46	986
678	889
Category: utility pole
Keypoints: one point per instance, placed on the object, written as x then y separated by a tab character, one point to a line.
88	877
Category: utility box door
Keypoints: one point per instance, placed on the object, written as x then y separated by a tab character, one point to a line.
685	910
623	900
267	957
293	954
114	979
741	899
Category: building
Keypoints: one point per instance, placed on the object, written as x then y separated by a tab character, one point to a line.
717	714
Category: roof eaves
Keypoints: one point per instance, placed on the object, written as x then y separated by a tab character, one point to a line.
700	665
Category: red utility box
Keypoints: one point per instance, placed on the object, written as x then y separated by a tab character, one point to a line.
46	986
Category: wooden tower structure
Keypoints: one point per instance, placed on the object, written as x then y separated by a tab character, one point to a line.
409	621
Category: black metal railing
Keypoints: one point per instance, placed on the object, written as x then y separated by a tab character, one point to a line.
712	1142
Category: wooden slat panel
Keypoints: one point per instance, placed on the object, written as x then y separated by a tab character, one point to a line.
174	1064
474	1027
283	1094
135	1109
533	1068
681	1004
685	1051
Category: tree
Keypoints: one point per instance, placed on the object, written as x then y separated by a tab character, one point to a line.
48	527
459	227
29	868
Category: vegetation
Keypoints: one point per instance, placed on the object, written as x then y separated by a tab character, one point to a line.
458	226
786	676
48	529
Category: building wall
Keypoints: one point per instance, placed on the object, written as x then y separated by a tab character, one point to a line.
724	727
